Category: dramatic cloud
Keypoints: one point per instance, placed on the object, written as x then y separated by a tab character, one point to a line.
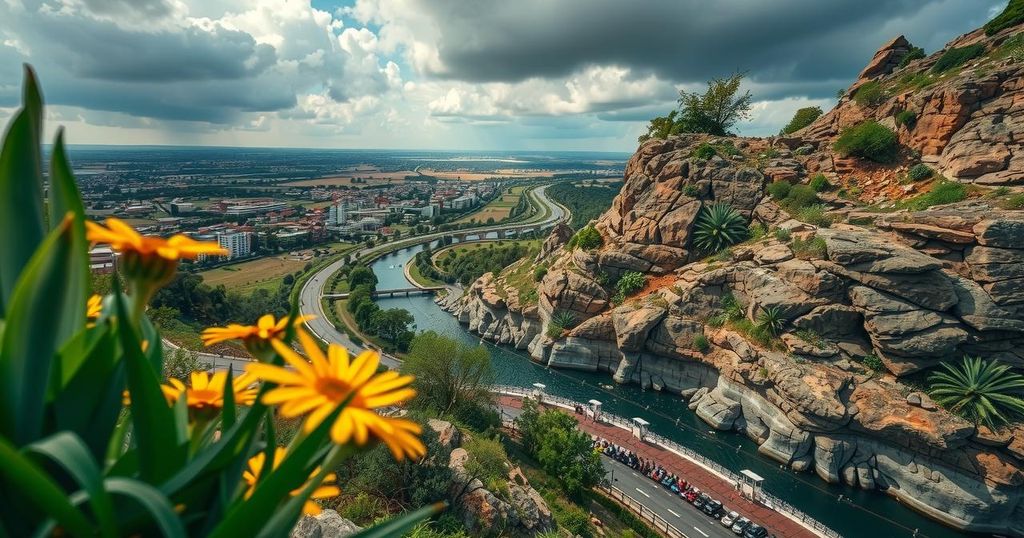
574	74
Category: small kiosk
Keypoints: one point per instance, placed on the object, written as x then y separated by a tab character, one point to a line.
594	412
750	487
538	392
639	428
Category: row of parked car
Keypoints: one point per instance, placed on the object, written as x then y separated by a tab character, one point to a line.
739	525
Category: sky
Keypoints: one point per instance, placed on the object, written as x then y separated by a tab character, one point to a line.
438	74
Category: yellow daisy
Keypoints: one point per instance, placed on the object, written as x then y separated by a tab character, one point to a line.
403	439
253	336
206	392
94	307
317	387
125	239
326	490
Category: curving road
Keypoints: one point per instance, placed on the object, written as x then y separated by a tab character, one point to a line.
313	289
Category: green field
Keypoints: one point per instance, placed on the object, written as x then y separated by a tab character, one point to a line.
498	209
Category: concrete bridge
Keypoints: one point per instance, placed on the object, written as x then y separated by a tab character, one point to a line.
400	292
504	233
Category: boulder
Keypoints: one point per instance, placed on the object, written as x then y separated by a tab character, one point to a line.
864	252
1003	233
632	324
326	524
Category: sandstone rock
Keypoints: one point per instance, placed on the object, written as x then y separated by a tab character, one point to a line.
863	252
834	322
1003	233
886	59
799	346
632	325
447	434
766	290
773	254
717	410
326	524
977	309
559	236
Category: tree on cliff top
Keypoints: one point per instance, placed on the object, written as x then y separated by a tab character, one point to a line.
803	117
713	112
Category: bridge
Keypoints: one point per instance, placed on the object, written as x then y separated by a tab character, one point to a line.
400	292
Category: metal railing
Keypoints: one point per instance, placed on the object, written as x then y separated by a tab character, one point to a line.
765	498
656	522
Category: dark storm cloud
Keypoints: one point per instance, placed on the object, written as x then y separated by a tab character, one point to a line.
800	42
141	8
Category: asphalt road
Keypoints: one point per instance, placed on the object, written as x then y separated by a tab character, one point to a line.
312	290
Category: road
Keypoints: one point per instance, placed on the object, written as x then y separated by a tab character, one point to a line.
313	289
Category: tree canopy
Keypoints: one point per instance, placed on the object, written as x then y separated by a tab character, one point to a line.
714	112
450	376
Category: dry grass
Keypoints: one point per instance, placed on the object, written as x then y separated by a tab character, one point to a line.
497	209
253	274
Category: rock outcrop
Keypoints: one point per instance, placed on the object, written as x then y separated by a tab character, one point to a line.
326	524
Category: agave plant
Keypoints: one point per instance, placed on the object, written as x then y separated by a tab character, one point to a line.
718	226
984	392
91	442
770	321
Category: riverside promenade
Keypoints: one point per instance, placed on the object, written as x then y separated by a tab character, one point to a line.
715	485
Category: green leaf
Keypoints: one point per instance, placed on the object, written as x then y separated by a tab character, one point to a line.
64	200
68	451
153	501
402	524
40	307
35	486
21	190
155	430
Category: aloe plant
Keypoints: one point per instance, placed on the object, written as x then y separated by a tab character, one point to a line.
718	226
984	392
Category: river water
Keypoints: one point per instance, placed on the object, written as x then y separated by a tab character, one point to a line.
858	513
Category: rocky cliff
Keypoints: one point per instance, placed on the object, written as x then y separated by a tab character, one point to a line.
869	304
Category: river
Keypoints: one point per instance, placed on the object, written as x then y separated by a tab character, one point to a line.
859	513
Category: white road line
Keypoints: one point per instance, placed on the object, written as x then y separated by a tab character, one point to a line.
673	512
702	532
642	492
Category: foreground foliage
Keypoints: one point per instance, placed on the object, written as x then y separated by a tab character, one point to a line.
93	445
868	140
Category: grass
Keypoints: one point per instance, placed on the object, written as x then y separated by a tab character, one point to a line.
942	192
421	279
251	275
498	209
806	249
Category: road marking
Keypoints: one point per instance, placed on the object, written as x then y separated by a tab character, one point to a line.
673	512
702	532
642	492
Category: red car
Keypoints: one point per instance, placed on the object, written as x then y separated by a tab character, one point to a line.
691	495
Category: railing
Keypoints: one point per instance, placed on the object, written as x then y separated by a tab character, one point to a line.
767	499
656	522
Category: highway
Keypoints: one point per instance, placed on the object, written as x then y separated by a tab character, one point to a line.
313	289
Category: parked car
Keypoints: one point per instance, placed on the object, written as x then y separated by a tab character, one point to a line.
713	508
755	531
740	525
701	500
691	495
729	519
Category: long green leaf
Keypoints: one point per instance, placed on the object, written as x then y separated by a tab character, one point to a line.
402	524
64	200
155	430
153	501
35	486
68	451
21	190
38	311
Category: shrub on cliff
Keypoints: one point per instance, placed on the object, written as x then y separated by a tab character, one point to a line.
802	118
713	112
819	183
869	94
916	53
943	192
1011	16
868	140
906	118
718	226
919	171
799	197
630	283
957	56
587	238
779	189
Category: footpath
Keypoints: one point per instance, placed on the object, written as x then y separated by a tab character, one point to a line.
776	523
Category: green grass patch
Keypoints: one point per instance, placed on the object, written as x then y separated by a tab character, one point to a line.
957	56
942	192
868	140
1012	15
870	93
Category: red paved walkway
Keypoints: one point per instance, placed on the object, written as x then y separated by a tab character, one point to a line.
776	523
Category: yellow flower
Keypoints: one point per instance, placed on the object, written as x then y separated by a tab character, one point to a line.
206	392
94	307
125	239
326	490
403	441
319	386
257	337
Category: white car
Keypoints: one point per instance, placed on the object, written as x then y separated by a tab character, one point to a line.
729	519
740	525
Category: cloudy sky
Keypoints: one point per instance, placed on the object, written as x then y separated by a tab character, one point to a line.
437	74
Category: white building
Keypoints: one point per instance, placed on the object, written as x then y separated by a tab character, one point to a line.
337	214
238	244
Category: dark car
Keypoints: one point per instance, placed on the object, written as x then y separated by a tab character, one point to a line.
755	531
701	500
713	508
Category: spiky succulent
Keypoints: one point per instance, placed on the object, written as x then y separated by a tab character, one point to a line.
984	392
771	321
717	227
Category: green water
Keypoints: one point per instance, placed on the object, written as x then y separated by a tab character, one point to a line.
859	513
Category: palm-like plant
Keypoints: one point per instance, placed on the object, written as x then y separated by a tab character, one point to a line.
771	321
984	392
717	227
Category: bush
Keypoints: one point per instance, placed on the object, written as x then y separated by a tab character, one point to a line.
802	118
1015	202
869	140
771	321
815	214
1011	16
718	226
873	362
919	171
906	118
587	238
704	151
691	190
779	189
870	94
820	183
630	283
783	235
700	343
916	53
756	231
957	56
813	248
943	192
539	272
799	196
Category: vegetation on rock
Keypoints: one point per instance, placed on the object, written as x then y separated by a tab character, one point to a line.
451	377
906	118
802	118
588	238
916	53
718	226
714	112
868	140
957	56
1012	15
984	392
870	93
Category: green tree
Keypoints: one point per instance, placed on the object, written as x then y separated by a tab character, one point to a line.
661	127
984	392
715	111
487	460
362	276
394	326
802	118
552	438
450	375
407	483
179	363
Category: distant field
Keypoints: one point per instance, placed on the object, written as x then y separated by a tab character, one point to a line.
467	175
254	274
371	179
497	209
